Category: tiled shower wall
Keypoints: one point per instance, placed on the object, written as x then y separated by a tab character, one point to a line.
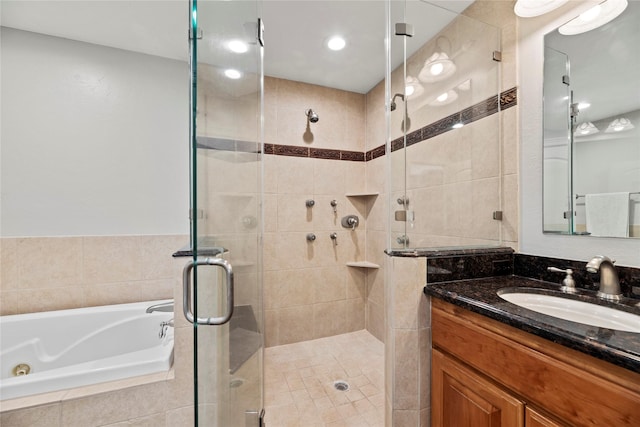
478	170
309	292
54	273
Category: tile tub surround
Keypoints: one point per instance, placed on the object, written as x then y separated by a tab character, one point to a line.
480	296
85	271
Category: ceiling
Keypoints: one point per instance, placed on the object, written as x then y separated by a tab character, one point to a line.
295	31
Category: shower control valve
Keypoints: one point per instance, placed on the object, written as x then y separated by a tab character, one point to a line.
350	221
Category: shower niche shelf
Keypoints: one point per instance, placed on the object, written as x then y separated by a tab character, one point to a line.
362	264
373	194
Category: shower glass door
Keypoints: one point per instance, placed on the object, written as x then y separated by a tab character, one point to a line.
223	291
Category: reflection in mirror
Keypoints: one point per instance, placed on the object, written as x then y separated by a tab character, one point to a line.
591	151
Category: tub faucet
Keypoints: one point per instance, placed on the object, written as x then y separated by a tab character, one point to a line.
165	307
163	328
609	283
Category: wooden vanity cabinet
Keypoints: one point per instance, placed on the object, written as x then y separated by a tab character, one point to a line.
467	399
486	373
533	418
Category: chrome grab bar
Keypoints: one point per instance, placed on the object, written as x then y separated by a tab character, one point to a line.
186	291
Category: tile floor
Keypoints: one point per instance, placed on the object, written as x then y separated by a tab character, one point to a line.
299	379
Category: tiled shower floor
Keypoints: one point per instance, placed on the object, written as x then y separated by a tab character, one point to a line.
299	378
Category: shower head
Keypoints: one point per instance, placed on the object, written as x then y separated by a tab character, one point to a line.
312	116
393	100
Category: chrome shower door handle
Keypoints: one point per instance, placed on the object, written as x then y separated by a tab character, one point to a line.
187	291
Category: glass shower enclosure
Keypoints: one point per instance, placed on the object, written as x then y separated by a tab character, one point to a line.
445	139
223	281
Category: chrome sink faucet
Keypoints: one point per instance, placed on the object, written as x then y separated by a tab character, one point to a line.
609	283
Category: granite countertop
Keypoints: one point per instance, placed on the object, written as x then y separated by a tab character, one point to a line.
480	296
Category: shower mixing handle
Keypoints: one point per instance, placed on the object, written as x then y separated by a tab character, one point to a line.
350	221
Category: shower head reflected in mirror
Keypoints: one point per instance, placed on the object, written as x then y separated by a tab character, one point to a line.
312	116
393	100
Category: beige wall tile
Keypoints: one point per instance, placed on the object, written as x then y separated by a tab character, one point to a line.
424	367
156	253
155	420
37	300
329	284
181	417
294	324
485	200
329	177
294	175
9	303
39	416
484	139
291	288
355	316
111	259
406	366
329	318
8	264
114	407
59	262
375	320
408	418
510	203
509	122
112	293
356	283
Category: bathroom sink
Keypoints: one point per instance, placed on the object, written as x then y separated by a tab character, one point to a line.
573	310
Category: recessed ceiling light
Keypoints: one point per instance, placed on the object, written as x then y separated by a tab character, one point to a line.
232	74
336	43
237	46
595	17
458	125
531	8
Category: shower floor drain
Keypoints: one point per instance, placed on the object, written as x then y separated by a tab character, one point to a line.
341	385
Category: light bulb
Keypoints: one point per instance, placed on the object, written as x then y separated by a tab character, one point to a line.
436	69
591	14
443	97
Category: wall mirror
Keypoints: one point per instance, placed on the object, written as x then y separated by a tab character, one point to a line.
591	150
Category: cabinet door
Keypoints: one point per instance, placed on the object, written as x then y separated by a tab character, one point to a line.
533	418
463	398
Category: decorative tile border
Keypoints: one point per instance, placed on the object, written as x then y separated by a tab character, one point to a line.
488	107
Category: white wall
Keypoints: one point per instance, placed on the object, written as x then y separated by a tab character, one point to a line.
94	139
532	241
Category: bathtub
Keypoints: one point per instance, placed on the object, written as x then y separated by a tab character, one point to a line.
71	348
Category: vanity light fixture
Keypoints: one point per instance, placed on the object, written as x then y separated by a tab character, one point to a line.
531	8
584	129
437	67
413	88
336	43
237	46
595	17
619	125
444	98
232	74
